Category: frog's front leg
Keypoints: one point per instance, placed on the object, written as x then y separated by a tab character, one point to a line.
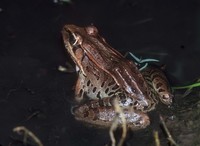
80	87
94	113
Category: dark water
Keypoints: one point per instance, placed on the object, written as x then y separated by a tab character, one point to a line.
33	93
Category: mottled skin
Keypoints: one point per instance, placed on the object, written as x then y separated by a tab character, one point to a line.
104	75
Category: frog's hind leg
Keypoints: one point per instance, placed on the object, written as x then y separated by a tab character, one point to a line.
103	116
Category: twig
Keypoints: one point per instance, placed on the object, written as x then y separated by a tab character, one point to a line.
27	133
32	115
156	138
112	129
169	136
119	114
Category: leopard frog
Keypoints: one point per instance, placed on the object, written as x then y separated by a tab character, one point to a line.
104	75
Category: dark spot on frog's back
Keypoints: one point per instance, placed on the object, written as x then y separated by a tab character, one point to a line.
88	83
111	83
159	85
111	93
115	87
103	83
106	91
81	92
135	103
98	95
161	90
94	89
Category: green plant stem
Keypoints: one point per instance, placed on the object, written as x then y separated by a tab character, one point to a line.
188	86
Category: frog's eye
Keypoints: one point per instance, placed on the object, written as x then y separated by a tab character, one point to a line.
92	30
75	39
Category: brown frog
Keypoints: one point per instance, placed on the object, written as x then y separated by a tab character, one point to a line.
104	75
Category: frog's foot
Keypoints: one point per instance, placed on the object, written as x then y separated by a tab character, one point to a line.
103	116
